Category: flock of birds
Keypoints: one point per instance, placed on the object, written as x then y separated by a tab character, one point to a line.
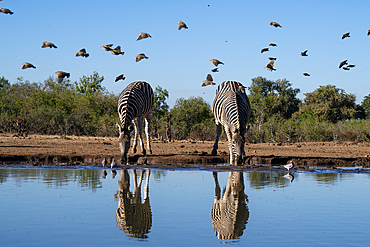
82	53
270	65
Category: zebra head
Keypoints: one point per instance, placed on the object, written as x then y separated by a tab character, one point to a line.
124	140
238	141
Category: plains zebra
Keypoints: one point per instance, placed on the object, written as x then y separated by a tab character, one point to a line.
231	108
134	103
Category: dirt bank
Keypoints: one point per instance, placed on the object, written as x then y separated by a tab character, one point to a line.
73	150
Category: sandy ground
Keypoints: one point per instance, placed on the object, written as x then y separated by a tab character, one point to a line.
92	149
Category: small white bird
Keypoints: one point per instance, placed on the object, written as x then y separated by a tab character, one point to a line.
289	166
104	162
113	164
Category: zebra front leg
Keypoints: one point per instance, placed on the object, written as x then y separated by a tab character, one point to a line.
218	133
230	144
147	131
140	131
135	123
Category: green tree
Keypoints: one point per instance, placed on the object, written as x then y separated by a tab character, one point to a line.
90	84
272	99
189	115
160	111
332	104
366	106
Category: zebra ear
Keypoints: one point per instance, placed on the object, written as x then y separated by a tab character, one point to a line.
118	128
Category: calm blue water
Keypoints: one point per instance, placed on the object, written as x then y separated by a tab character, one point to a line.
78	207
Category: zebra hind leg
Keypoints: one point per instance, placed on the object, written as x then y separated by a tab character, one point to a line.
218	133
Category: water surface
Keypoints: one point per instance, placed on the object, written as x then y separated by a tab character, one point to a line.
78	207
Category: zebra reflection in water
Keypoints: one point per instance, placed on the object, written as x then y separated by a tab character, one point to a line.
133	216
230	212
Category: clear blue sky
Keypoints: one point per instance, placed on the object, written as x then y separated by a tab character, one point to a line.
179	60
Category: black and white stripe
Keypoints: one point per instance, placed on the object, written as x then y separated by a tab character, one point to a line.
231	108
135	102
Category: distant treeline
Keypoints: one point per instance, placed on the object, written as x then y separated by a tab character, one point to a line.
85	107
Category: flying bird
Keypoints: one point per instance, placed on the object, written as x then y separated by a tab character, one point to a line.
346	68
113	164
216	62
104	162
272	58
117	51
61	75
82	53
264	50
270	66
304	53
346	35
368	32
208	81
289	166
143	36
106	47
48	44
306	74
351	66
140	56
273	44
182	25
6	11
215	70
120	77
344	62
28	65
275	24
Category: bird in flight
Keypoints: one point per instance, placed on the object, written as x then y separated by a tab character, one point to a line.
216	62
182	25
120	77
270	66
61	75
143	36
117	51
140	56
82	53
208	81
344	62
48	44
106	47
306	74
273	44
274	24
6	11
304	53
28	65
264	50
346	35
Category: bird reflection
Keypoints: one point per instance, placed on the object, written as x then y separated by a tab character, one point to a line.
289	176
133	216
230	212
104	174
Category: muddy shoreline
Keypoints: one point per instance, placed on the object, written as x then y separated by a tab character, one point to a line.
72	151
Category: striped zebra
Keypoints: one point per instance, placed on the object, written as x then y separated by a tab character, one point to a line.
231	108
135	102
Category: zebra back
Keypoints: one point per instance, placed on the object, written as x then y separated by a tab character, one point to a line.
231	105
135	100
